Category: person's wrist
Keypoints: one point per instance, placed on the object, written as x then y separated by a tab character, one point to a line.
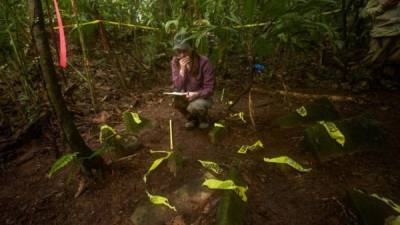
182	72
195	94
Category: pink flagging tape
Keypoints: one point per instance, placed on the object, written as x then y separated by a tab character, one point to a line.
63	44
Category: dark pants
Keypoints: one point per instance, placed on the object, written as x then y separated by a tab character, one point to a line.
196	109
383	50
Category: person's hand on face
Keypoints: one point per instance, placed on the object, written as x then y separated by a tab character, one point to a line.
184	60
184	65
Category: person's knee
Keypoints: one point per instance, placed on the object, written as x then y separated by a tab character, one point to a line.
198	106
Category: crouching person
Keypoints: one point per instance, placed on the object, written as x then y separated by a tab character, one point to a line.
385	34
192	74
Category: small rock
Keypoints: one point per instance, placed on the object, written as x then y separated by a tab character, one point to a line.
178	220
149	214
190	199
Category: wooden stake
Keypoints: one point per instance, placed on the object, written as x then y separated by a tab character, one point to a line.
251	111
171	141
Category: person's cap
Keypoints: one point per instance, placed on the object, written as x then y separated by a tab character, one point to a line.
182	42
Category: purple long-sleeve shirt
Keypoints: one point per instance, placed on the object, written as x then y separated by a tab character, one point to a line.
203	82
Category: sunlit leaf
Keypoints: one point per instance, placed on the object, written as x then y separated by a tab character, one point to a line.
244	148
156	163
134	122
218	125
106	133
62	162
211	166
288	161
333	132
226	185
388	202
160	200
240	115
302	111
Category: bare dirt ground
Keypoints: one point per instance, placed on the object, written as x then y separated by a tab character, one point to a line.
276	196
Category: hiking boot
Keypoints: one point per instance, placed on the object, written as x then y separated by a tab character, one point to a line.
190	124
203	121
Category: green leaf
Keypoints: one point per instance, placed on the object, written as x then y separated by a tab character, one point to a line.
244	148
160	200
302	111
133	122
202	22
156	163
218	125
168	25
211	166
395	221
333	132
107	134
240	115
227	185
62	162
101	151
288	161
250	8
388	202
233	18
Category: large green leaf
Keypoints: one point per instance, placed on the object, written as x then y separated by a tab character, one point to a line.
62	162
156	162
288	161
160	200
108	135
250	9
171	25
211	166
134	122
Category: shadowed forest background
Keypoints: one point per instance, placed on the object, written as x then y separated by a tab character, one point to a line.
75	142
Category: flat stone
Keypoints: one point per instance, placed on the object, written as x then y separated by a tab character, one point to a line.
123	147
178	220
149	214
190	199
362	133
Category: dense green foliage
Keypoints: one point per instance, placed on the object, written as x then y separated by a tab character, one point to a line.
137	36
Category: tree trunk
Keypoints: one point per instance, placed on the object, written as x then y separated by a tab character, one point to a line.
65	117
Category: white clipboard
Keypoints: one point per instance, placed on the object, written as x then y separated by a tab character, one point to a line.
175	93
